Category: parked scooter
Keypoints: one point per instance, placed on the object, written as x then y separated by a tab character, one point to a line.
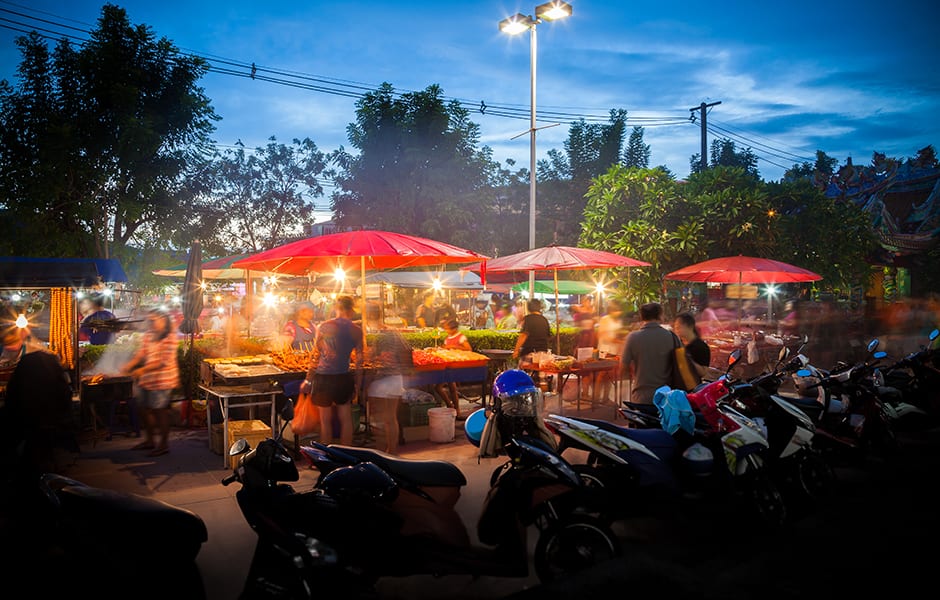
796	464
844	403
910	386
374	515
725	460
96	540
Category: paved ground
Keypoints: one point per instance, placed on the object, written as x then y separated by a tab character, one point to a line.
869	535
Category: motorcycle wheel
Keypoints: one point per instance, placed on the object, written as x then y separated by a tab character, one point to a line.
815	475
573	545
765	500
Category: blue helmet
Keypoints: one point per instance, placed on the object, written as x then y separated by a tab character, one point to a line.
515	394
512	382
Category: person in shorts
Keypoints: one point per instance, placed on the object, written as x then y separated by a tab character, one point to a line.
156	374
330	382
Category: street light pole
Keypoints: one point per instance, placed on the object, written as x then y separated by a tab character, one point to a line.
533	52
550	11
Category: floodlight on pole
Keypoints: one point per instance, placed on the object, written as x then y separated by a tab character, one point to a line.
516	24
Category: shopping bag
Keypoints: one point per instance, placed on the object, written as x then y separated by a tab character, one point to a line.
306	416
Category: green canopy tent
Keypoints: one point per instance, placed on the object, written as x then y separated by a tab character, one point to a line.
565	286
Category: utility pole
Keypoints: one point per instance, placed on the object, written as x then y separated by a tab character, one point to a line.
701	107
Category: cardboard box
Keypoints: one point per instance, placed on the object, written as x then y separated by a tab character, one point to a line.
254	433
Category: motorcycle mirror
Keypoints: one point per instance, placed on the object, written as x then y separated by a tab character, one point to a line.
933	334
805	338
804	373
733	358
872	345
287	413
784	353
239	447
879	355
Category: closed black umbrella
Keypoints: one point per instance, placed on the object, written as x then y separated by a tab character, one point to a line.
192	291
192	308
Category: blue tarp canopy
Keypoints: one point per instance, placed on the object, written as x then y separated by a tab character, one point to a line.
27	272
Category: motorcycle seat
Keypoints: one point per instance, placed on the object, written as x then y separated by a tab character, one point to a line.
807	404
418	472
119	512
659	442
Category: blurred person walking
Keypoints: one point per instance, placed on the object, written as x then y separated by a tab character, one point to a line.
696	348
646	359
155	370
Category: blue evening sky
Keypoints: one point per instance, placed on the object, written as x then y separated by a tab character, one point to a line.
845	77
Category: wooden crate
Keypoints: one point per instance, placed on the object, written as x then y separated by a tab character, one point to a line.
254	433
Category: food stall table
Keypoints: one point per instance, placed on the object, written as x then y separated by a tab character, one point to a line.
237	396
582	370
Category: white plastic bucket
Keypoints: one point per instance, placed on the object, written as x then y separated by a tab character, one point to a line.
442	424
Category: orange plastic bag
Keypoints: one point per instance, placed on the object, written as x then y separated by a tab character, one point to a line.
306	416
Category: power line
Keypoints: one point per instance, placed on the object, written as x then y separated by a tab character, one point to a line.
350	89
776	151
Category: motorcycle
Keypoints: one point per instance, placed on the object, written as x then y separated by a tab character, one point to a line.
909	385
86	530
850	415
720	454
796	464
373	515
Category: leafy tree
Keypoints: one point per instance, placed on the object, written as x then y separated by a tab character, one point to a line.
418	169
832	237
640	213
277	181
591	149
724	153
734	212
819	172
99	144
637	153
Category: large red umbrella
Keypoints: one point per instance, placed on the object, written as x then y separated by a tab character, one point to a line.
365	249
743	269
556	258
356	249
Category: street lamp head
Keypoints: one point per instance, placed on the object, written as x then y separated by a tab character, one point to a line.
552	11
516	24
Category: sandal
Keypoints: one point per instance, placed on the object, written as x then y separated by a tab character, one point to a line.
158	452
143	446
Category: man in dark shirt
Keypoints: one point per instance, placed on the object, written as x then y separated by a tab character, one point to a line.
535	333
425	314
94	326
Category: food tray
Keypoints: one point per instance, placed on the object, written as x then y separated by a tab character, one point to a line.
431	367
468	363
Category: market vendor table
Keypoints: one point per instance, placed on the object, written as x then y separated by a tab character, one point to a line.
582	370
237	396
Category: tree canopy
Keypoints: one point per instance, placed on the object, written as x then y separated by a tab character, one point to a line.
100	145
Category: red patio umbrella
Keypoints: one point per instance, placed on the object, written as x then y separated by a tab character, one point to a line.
556	258
743	269
365	249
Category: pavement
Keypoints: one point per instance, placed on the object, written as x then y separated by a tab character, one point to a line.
868	534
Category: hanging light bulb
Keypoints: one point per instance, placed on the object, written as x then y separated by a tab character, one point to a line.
21	321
